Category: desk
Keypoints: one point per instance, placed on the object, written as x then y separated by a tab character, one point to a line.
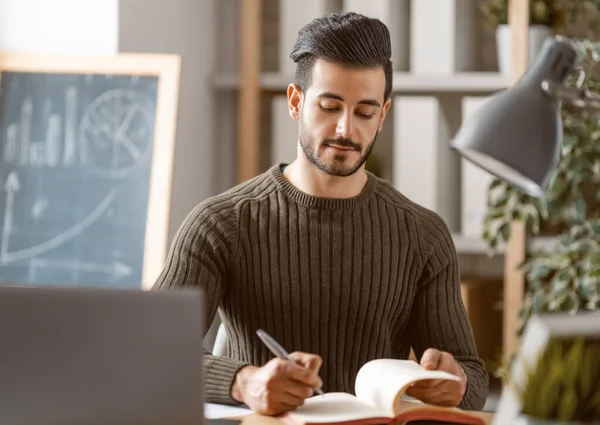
268	420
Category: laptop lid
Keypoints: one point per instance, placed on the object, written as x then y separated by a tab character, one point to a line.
100	356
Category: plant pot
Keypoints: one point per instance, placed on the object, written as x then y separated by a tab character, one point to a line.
529	420
537	35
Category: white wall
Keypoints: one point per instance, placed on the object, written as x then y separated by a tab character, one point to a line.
59	26
184	27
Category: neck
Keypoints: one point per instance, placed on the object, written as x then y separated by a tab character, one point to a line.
307	178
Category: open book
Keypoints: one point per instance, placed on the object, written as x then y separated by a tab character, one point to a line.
380	386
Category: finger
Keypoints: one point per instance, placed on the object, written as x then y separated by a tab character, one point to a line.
428	383
448	398
431	395
431	358
311	361
300	374
296	389
448	364
290	400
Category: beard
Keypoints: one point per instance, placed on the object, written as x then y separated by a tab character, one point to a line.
337	166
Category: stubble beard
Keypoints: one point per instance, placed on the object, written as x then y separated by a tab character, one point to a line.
337	166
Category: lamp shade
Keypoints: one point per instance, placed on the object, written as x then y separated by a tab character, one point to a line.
517	135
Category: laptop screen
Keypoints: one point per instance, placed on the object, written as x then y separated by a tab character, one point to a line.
100	356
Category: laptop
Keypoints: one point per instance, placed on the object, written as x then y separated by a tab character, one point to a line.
79	356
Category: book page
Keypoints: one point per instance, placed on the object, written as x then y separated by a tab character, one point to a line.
382	382
219	411
335	408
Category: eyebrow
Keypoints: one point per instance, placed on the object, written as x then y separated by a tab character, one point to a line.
371	102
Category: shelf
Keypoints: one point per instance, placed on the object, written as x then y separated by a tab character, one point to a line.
462	82
485	82
472	245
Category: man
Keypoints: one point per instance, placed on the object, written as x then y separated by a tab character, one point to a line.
330	260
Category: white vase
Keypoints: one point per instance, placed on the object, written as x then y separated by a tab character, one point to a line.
537	35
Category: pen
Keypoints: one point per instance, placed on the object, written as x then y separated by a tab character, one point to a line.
278	350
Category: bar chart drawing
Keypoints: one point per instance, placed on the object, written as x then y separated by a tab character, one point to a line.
70	127
111	137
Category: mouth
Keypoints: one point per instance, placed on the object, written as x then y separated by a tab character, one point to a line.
341	148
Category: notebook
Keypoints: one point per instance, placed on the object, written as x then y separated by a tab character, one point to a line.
380	386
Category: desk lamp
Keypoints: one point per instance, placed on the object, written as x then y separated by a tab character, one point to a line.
517	135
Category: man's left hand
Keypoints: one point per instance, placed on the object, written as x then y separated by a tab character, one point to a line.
440	392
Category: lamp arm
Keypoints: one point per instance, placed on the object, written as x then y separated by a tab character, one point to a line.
577	96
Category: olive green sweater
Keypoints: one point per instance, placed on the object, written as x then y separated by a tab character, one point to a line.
349	279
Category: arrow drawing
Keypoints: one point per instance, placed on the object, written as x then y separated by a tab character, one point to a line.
116	270
11	186
8	257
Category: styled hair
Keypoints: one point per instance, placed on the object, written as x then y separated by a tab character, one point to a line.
346	39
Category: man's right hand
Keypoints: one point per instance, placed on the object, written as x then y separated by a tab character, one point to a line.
278	386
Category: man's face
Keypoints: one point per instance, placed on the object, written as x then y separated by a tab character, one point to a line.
339	116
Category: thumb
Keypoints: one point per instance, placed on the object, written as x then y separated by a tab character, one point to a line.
431	359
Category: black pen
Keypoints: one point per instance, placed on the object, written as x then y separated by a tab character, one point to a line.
278	350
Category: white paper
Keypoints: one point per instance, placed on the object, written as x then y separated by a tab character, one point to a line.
379	381
220	411
334	407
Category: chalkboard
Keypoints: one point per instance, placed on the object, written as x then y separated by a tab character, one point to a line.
86	148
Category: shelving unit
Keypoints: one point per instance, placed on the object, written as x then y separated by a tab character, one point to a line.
405	82
476	246
251	83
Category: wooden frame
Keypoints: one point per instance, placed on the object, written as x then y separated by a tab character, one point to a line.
248	146
514	279
167	69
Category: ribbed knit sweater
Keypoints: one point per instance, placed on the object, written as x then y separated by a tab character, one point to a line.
349	279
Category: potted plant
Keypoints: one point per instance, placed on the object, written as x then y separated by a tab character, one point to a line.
561	385
545	19
567	279
565	275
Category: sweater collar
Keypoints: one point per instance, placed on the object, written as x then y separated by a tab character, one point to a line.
317	202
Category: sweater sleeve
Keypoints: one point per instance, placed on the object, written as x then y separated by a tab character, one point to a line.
439	318
199	257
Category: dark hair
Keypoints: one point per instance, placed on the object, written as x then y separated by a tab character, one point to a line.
347	39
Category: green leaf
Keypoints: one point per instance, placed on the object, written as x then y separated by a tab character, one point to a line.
539	272
595	258
584	292
505	232
557	262
586	380
494	214
495	184
580	208
567	405
539	303
564	278
596	53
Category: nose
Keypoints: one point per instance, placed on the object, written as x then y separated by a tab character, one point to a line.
344	126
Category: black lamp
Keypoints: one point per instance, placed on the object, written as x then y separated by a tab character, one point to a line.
517	135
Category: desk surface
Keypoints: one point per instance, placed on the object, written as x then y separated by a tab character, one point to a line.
268	420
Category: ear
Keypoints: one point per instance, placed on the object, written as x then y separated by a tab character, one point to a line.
384	111
295	96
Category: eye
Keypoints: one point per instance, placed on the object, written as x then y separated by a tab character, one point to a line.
328	108
365	116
